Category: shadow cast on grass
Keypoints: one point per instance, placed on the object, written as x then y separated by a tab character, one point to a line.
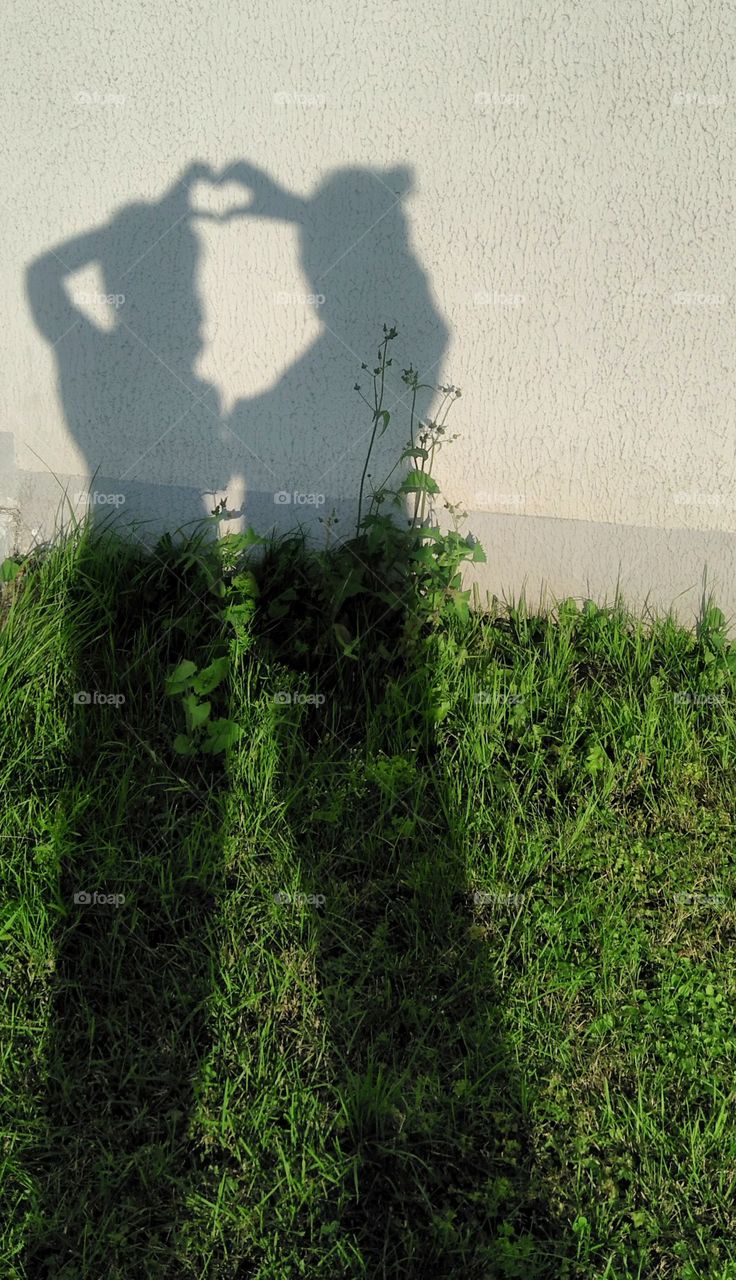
135	849
280	1052
428	1110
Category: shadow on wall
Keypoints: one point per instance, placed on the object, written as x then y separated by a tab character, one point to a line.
136	409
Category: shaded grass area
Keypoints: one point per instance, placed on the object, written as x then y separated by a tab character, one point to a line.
431	974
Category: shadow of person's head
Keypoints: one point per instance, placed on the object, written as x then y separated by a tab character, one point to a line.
354	240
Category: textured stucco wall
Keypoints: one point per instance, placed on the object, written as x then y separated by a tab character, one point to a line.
538	192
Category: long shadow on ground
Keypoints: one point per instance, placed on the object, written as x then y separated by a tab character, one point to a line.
131	975
429	1112
148	1161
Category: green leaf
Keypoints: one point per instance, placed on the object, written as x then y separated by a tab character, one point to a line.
183	745
439	711
713	620
347	643
209	677
419	482
324	815
424	555
246	584
196	712
568	609
221	734
279	607
460	603
342	633
239	614
9	569
242	541
385	416
180	678
423	531
596	758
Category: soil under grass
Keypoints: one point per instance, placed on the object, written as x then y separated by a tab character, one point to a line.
431	974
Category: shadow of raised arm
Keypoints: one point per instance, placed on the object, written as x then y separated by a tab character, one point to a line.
53	310
269	200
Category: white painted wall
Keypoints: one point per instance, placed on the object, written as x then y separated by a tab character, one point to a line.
538	192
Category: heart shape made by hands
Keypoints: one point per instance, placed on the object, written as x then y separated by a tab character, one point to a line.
219	196
218	201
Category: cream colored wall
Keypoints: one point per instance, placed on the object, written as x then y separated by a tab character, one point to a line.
539	193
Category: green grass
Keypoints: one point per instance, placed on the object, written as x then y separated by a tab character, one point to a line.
504	1043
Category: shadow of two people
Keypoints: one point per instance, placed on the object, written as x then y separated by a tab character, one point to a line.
128	395
135	409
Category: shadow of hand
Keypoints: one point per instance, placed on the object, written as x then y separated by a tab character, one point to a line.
268	199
